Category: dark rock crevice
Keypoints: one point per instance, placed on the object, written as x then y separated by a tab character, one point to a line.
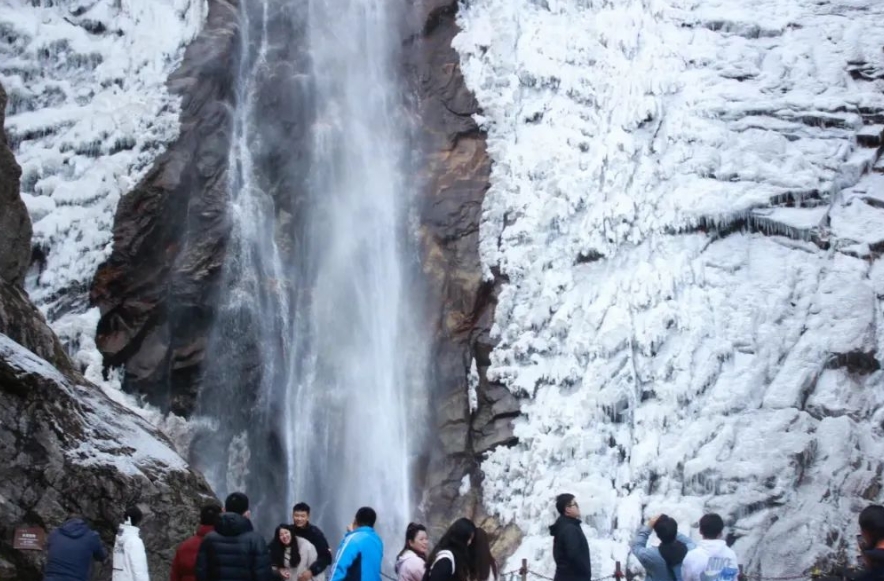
457	170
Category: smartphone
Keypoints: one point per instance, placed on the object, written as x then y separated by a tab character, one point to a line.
861	542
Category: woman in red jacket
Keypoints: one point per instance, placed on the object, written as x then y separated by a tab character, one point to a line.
184	564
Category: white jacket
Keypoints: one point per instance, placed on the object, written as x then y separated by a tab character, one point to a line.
712	560
130	560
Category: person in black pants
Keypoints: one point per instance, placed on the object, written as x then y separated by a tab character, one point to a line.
570	549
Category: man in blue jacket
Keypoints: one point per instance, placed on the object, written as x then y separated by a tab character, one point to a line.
71	548
361	552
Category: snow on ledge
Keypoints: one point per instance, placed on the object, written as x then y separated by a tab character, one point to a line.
114	436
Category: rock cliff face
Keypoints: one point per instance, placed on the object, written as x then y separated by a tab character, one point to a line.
67	447
456	168
156	290
15	223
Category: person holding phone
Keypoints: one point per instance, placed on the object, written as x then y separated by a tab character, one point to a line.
870	542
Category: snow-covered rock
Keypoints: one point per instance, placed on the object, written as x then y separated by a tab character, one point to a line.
88	113
682	207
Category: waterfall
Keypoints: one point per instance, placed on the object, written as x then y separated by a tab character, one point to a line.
358	353
315	368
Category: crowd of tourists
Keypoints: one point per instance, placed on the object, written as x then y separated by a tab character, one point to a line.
227	548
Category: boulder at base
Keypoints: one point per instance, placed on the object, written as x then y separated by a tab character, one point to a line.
69	449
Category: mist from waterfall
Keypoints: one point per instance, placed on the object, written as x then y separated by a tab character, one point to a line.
315	371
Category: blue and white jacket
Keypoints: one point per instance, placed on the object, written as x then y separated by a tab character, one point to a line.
359	557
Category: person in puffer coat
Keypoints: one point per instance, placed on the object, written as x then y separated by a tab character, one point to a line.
72	547
570	548
130	560
234	551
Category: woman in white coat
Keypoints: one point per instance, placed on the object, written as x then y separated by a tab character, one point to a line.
130	560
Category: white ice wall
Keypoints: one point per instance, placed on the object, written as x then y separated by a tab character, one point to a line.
669	314
88	113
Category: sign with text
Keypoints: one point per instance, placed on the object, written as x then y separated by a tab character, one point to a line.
29	539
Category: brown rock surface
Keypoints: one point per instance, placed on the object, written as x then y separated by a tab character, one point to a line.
155	292
15	222
457	171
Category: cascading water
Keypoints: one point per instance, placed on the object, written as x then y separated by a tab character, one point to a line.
315	369
245	371
358	369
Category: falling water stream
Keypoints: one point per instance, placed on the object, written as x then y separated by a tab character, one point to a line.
316	362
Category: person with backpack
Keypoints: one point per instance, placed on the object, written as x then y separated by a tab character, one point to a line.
72	547
361	552
661	563
450	559
411	563
570	547
711	559
482	564
871	543
130	560
184	563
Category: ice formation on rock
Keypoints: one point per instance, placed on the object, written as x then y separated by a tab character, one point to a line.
88	113
686	210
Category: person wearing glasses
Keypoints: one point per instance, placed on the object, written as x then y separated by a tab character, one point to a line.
570	548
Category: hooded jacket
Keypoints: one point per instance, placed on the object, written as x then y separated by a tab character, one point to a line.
710	560
184	564
359	557
71	549
233	552
570	550
410	566
130	560
652	560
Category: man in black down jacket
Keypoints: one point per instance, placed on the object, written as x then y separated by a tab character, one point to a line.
570	549
310	532
234	551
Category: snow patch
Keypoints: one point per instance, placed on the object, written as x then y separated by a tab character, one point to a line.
112	438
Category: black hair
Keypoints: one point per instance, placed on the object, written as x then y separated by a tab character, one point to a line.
277	549
711	526
301	507
482	563
236	502
411	532
871	522
562	502
457	540
134	515
365	517
209	513
671	549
